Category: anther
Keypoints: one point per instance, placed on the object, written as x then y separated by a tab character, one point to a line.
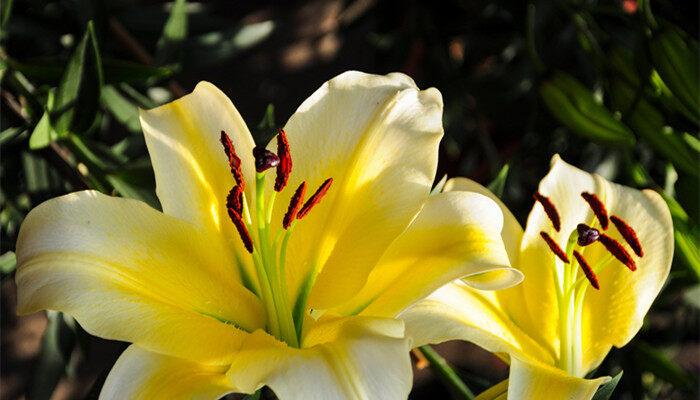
549	209
554	247
234	162
294	204
234	199
284	168
242	230
628	234
587	270
598	208
264	159
617	250
586	235
315	198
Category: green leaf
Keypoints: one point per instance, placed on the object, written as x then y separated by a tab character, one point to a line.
574	105
692	296
43	133
606	390
5	12
499	183
215	47
121	108
8	262
169	47
135	182
56	348
78	95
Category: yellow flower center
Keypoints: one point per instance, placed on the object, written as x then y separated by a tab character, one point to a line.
570	285
269	252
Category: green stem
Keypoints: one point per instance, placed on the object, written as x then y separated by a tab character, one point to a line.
447	373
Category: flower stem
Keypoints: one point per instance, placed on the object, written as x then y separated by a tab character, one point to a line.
446	372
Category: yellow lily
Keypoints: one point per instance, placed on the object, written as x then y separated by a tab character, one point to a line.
560	323
216	292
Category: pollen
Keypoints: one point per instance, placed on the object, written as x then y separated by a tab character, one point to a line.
628	234
315	198
234	199
549	209
294	204
284	168
241	228
234	161
617	250
554	247
598	208
587	270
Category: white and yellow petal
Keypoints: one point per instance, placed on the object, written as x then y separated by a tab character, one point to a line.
534	380
455	235
191	169
615	313
347	358
142	375
377	137
130	273
457	311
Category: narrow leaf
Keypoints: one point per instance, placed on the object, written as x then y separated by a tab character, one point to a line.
499	183
606	390
169	47
8	262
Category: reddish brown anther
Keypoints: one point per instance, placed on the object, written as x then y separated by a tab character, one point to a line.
617	250
234	162
315	198
587	270
284	168
628	234
294	204
234	199
241	228
598	208
549	209
554	247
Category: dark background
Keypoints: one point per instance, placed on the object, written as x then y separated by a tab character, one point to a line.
488	58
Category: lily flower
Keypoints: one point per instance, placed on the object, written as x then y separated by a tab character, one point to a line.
247	279
595	256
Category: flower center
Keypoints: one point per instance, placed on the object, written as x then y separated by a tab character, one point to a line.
570	285
268	250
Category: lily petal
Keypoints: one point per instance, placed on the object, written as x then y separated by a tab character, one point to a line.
533	380
377	137
142	375
455	235
191	169
457	311
346	358
128	272
532	305
614	314
512	232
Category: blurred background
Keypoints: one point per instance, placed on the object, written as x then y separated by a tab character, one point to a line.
610	85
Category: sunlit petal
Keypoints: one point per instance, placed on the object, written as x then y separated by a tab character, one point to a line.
377	137
128	272
456	235
348	358
142	375
533	380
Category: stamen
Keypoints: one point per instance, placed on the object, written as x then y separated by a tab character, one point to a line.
284	169
242	230
315	198
294	204
586	234
234	162
554	247
234	199
628	234
598	208
617	250
549	209
587	270
264	159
